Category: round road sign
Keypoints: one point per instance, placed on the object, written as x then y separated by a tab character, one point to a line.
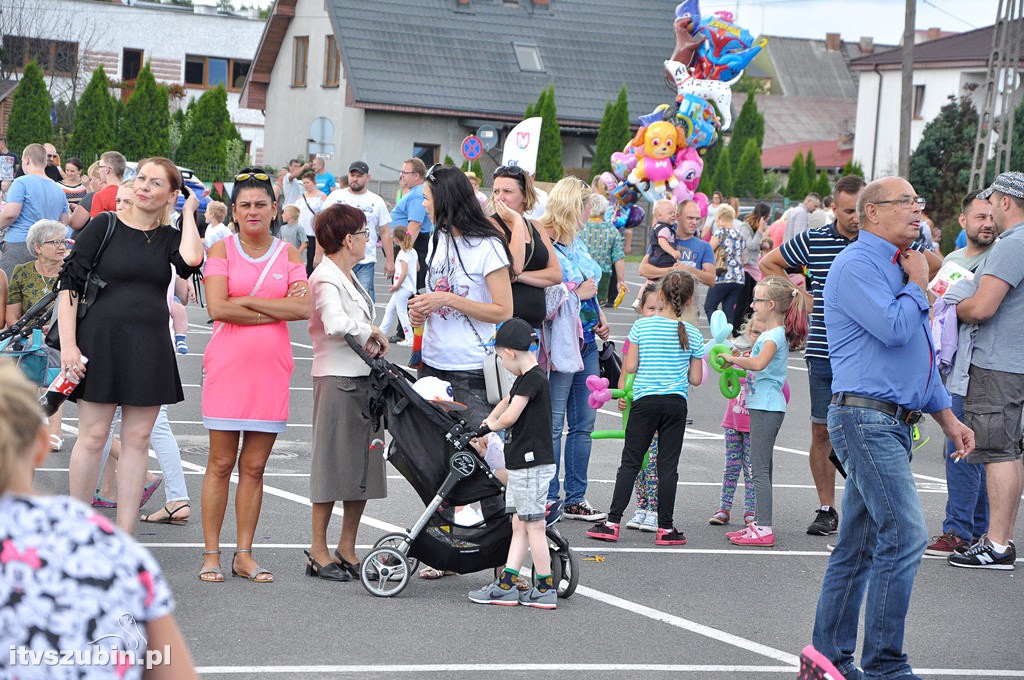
472	147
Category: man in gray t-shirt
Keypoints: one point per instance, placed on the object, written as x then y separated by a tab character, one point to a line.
994	403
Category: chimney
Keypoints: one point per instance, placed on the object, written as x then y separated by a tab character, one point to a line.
934	33
464	2
867	44
833	43
541	3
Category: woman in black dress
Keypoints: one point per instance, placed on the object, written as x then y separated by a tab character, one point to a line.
125	335
534	265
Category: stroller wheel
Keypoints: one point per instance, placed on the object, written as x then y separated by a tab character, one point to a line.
384	572
565	572
399	542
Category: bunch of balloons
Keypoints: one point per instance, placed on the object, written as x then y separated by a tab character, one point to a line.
664	159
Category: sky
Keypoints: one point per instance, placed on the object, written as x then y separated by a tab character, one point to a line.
881	19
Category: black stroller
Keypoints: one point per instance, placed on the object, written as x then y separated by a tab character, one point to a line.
431	449
23	341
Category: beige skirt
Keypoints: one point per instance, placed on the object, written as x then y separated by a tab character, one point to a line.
343	467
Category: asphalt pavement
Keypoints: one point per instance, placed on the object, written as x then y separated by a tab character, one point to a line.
704	610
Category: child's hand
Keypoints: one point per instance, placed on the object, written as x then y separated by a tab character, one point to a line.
622	404
491	423
480	445
392	288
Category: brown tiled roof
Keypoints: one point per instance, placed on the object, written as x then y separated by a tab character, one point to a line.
827	154
969	49
801	119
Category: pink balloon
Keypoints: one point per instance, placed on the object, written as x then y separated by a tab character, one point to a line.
785	390
596	382
705	370
701	200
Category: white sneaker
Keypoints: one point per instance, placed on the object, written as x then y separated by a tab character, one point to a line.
650	524
638	520
404	343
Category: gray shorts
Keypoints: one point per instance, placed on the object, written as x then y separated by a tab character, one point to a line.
527	491
992	408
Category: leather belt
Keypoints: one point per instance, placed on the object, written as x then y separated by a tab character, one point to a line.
896	411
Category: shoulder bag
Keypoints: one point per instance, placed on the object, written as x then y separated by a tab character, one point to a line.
93	285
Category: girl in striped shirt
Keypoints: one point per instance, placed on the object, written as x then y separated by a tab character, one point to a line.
665	354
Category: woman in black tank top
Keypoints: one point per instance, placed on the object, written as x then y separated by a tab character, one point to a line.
534	263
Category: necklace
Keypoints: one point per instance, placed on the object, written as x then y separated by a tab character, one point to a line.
48	281
254	247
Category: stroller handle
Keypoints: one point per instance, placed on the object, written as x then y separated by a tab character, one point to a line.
35	317
358	349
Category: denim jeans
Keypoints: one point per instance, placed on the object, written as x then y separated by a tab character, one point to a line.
881	541
966	495
569	393
364	272
725	294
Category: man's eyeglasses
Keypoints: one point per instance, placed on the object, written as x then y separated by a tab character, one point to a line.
58	242
259	176
508	171
905	202
430	173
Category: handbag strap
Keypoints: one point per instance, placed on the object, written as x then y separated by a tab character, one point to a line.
111	222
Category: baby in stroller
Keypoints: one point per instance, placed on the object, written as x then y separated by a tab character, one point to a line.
529	460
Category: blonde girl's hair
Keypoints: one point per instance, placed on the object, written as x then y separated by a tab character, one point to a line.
791	304
20	419
403	238
725	210
565	204
677	291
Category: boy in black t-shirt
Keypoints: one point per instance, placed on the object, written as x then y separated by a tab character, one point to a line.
525	415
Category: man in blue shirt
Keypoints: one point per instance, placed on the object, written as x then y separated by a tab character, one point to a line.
884	376
410	213
695	254
32	197
324	179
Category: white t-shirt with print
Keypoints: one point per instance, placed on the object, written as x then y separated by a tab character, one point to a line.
411	260
460	266
375	209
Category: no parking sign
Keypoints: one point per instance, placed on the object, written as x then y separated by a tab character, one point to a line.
472	148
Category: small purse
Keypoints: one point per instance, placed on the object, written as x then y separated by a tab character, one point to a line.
90	291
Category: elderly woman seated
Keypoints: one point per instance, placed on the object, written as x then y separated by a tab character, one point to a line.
47	240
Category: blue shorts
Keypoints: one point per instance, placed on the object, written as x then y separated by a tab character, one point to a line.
819	379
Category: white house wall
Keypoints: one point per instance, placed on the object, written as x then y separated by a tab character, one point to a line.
877	148
165	36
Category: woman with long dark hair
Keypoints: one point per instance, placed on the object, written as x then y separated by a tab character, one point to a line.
754	228
255	285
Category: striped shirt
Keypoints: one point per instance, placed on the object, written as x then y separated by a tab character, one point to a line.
664	365
816	249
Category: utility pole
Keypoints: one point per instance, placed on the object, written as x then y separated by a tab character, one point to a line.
907	91
1000	83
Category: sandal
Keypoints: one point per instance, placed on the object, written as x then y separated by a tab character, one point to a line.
169	516
216	573
56	443
719	518
99	501
253	576
430	573
150	489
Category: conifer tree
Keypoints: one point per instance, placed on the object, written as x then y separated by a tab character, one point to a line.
144	127
797	185
94	125
549	154
749	181
30	121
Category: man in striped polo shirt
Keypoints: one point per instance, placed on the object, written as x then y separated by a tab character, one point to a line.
815	249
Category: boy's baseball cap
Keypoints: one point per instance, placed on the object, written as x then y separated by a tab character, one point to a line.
359	167
438	392
513	334
1009	183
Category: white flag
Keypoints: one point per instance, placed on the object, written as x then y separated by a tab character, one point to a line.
521	145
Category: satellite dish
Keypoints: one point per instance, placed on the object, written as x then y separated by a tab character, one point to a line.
321	129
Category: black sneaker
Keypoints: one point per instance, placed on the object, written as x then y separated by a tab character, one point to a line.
982	555
584	512
826	522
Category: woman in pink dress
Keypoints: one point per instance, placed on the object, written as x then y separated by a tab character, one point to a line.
255	284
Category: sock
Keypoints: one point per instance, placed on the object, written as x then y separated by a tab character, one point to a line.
544	583
508	579
180	338
998	547
826	508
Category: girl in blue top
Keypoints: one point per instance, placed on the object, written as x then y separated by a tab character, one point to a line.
665	354
783	310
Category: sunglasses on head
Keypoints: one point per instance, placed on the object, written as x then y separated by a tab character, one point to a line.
430	173
508	171
260	176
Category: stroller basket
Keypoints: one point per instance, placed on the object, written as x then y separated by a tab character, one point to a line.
445	545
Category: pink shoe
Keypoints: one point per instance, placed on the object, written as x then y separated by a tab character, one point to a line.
815	666
754	537
739	532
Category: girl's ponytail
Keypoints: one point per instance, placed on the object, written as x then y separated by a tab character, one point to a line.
684	339
791	304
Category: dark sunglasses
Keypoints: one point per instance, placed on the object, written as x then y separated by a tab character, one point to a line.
508	171
260	176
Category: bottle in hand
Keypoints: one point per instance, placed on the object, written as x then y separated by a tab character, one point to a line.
58	391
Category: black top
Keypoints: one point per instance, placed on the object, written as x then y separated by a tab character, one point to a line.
528	442
527	300
126	333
